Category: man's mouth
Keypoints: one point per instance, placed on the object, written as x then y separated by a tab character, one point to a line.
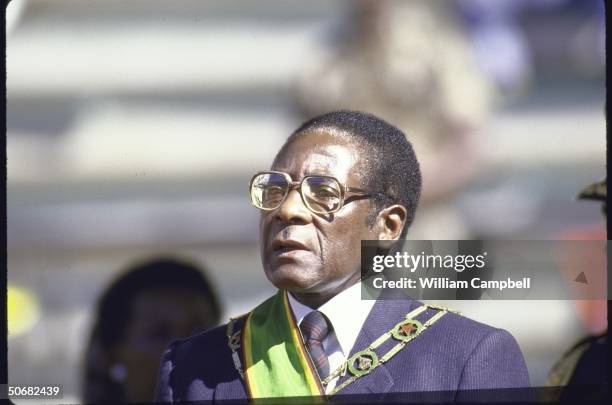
288	247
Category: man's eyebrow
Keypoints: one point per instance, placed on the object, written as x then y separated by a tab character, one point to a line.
316	174
320	169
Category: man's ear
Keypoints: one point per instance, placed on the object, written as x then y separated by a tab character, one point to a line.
391	222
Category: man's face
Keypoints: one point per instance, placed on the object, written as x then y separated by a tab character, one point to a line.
304	252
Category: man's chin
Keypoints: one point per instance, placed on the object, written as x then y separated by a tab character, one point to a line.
292	277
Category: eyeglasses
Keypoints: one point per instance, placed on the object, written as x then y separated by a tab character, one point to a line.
320	194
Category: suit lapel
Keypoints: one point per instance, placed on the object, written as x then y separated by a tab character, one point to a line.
385	314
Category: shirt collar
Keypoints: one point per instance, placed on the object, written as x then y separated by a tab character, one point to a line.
346	312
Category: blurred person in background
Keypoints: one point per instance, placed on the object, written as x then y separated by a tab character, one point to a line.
409	62
146	307
584	364
437	69
592	313
499	34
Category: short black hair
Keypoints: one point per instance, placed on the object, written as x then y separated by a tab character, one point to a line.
391	164
114	307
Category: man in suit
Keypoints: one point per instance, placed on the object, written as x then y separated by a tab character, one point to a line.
340	178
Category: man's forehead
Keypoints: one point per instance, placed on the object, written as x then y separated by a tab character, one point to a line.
336	158
330	157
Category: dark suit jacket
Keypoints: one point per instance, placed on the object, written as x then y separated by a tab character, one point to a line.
454	354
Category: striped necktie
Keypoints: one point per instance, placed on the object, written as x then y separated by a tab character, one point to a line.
315	327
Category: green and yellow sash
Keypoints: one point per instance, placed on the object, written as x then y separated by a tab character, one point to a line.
276	363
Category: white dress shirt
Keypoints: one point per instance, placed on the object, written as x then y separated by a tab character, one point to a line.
346	312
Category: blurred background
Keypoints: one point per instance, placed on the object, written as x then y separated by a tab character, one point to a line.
134	127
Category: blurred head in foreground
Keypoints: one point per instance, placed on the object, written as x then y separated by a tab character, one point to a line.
140	313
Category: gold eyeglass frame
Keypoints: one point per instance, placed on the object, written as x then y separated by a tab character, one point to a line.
299	185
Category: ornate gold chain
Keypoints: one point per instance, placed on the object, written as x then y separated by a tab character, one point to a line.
368	359
233	341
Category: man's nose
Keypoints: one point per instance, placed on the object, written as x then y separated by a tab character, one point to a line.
293	210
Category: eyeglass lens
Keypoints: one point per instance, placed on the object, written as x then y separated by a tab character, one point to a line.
321	194
268	190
